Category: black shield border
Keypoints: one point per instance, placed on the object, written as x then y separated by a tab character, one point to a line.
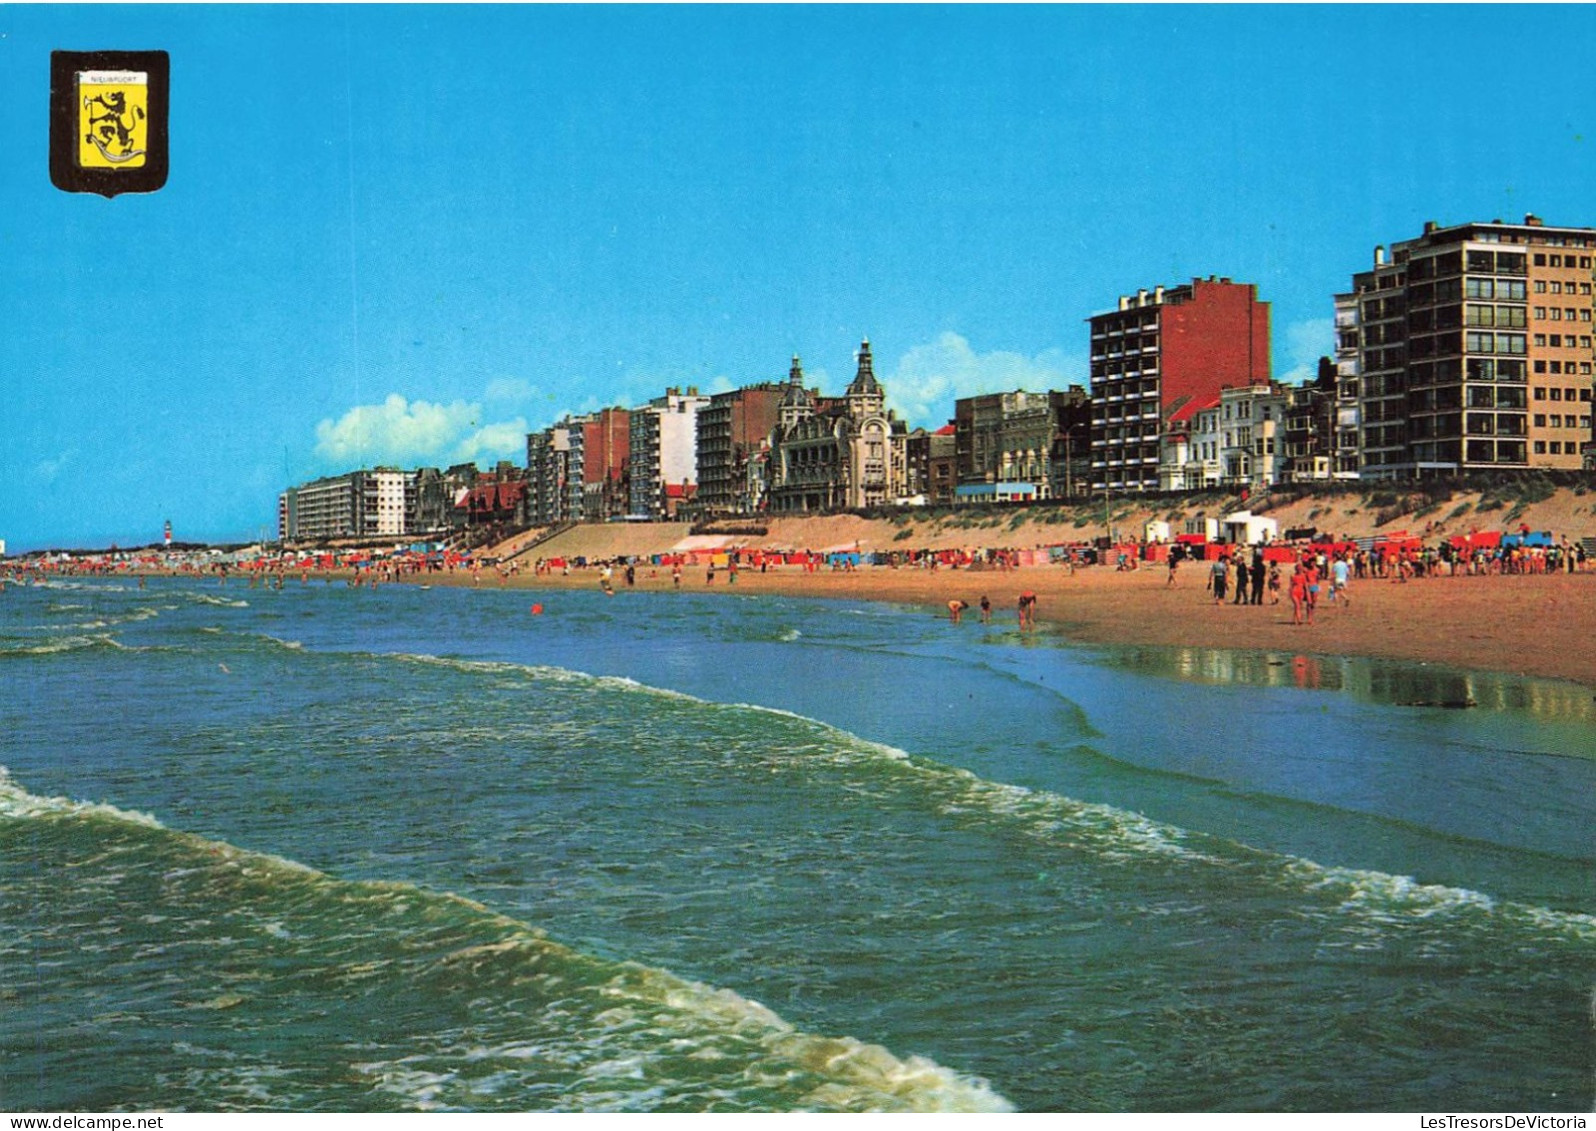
65	172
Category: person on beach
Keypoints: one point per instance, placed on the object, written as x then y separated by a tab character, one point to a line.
986	610
1241	579
956	609
1258	574
1339	572
1219	572
676	575
1274	583
1299	593
1174	564
1027	609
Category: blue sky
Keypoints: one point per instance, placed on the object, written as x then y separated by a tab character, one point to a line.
410	234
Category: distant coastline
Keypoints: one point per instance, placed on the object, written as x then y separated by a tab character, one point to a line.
1538	625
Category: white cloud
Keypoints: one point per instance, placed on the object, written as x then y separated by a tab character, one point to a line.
47	471
509	389
930	377
1305	343
407	433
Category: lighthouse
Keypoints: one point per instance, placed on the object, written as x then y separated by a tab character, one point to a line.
167	534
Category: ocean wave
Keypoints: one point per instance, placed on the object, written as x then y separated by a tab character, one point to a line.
61	644
1110	834
552	1028
17	802
220	602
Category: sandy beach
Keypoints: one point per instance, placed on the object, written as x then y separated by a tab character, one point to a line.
1537	625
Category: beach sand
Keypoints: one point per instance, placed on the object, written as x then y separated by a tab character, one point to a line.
1538	625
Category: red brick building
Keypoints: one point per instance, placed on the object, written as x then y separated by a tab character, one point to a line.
1159	351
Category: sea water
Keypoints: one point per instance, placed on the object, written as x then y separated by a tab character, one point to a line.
334	849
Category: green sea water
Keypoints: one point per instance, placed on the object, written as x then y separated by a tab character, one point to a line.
340	850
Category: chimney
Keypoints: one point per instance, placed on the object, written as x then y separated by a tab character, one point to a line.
1124	302
1141	297
1379	255
1158	294
1533	221
1430	226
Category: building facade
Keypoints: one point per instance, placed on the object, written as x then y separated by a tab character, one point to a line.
840	453
1042	439
606	464
552	470
358	504
1469	348
733	435
1155	353
664	453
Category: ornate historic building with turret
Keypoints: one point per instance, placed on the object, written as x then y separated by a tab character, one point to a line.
836	453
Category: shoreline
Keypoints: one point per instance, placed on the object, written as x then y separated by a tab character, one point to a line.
1538	625
1535	625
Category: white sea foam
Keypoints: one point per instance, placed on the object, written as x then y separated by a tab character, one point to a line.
60	644
222	602
1110	833
15	801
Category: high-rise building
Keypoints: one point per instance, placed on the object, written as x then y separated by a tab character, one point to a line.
733	430
606	464
356	504
663	461
554	465
1468	348
1157	352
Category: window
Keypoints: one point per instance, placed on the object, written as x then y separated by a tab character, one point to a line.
1557	288
1540	313
1540	260
1540	339
1540	367
1557	394
1540	285
1540	394
1557	447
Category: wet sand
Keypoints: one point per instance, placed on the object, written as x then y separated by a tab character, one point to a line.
1540	625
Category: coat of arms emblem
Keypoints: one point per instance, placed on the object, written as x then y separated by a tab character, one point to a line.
108	121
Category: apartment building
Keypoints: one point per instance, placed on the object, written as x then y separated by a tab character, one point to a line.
733	431
1158	352
664	453
356	504
1022	438
1469	348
